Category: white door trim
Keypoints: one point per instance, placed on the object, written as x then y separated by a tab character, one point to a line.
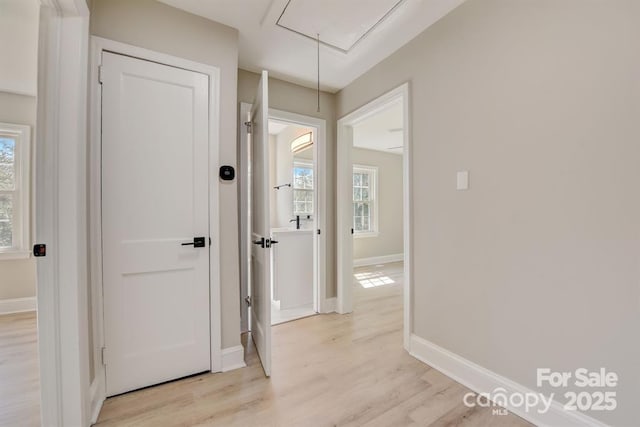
98	45
245	232
321	303
60	201
345	202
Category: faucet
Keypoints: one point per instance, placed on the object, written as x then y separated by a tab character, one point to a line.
297	221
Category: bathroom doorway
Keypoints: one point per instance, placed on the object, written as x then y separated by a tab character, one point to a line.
293	199
298	220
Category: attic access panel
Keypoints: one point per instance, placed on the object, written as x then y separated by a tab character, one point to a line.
340	23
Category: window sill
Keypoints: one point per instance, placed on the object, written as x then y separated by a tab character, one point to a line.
366	234
14	255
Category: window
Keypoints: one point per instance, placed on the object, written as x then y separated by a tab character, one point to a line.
302	188
14	191
365	221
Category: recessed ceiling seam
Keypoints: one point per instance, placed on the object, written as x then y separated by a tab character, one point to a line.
339	49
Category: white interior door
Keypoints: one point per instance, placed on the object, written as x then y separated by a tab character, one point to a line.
260	226
154	204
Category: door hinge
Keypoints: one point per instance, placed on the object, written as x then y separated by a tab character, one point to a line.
247	300
103	355
318	231
100	74
209	241
249	126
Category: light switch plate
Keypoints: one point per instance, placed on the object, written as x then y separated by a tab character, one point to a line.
463	180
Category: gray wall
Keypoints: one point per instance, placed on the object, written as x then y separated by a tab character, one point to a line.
155	26
293	98
18	277
389	241
537	265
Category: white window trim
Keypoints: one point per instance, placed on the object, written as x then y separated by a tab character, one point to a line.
304	164
21	206
373	170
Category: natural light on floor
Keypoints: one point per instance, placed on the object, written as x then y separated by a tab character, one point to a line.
373	279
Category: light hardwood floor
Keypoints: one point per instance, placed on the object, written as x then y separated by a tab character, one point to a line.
328	370
19	371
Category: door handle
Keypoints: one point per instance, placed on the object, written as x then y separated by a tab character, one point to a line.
198	242
264	243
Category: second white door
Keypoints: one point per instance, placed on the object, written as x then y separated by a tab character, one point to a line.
155	222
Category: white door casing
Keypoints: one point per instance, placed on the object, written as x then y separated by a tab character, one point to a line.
155	197
60	212
260	269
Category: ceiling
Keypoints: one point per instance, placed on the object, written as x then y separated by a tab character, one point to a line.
340	31
381	131
279	35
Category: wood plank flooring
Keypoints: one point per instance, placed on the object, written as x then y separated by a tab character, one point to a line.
19	370
328	370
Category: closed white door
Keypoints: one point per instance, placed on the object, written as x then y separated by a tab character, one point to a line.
260	226
154	203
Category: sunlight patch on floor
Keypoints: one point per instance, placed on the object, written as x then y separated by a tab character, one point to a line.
373	279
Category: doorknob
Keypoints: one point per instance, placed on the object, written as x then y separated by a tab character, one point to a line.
198	242
264	243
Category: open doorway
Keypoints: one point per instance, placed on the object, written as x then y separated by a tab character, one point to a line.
293	201
295	194
374	247
378	250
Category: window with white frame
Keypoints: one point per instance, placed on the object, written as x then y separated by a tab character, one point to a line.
365	221
14	190
302	188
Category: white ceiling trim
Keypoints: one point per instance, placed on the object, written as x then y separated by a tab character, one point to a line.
343	37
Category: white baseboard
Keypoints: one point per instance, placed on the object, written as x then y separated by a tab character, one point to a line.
17	305
482	380
329	305
362	262
97	393
233	358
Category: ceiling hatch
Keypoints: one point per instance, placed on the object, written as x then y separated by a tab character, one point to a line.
341	24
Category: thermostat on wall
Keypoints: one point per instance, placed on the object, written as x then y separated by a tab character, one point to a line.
227	173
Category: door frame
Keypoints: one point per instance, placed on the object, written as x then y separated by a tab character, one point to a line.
320	301
345	202
60	212
98	46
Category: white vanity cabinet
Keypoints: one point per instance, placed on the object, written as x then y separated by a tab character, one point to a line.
292	267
